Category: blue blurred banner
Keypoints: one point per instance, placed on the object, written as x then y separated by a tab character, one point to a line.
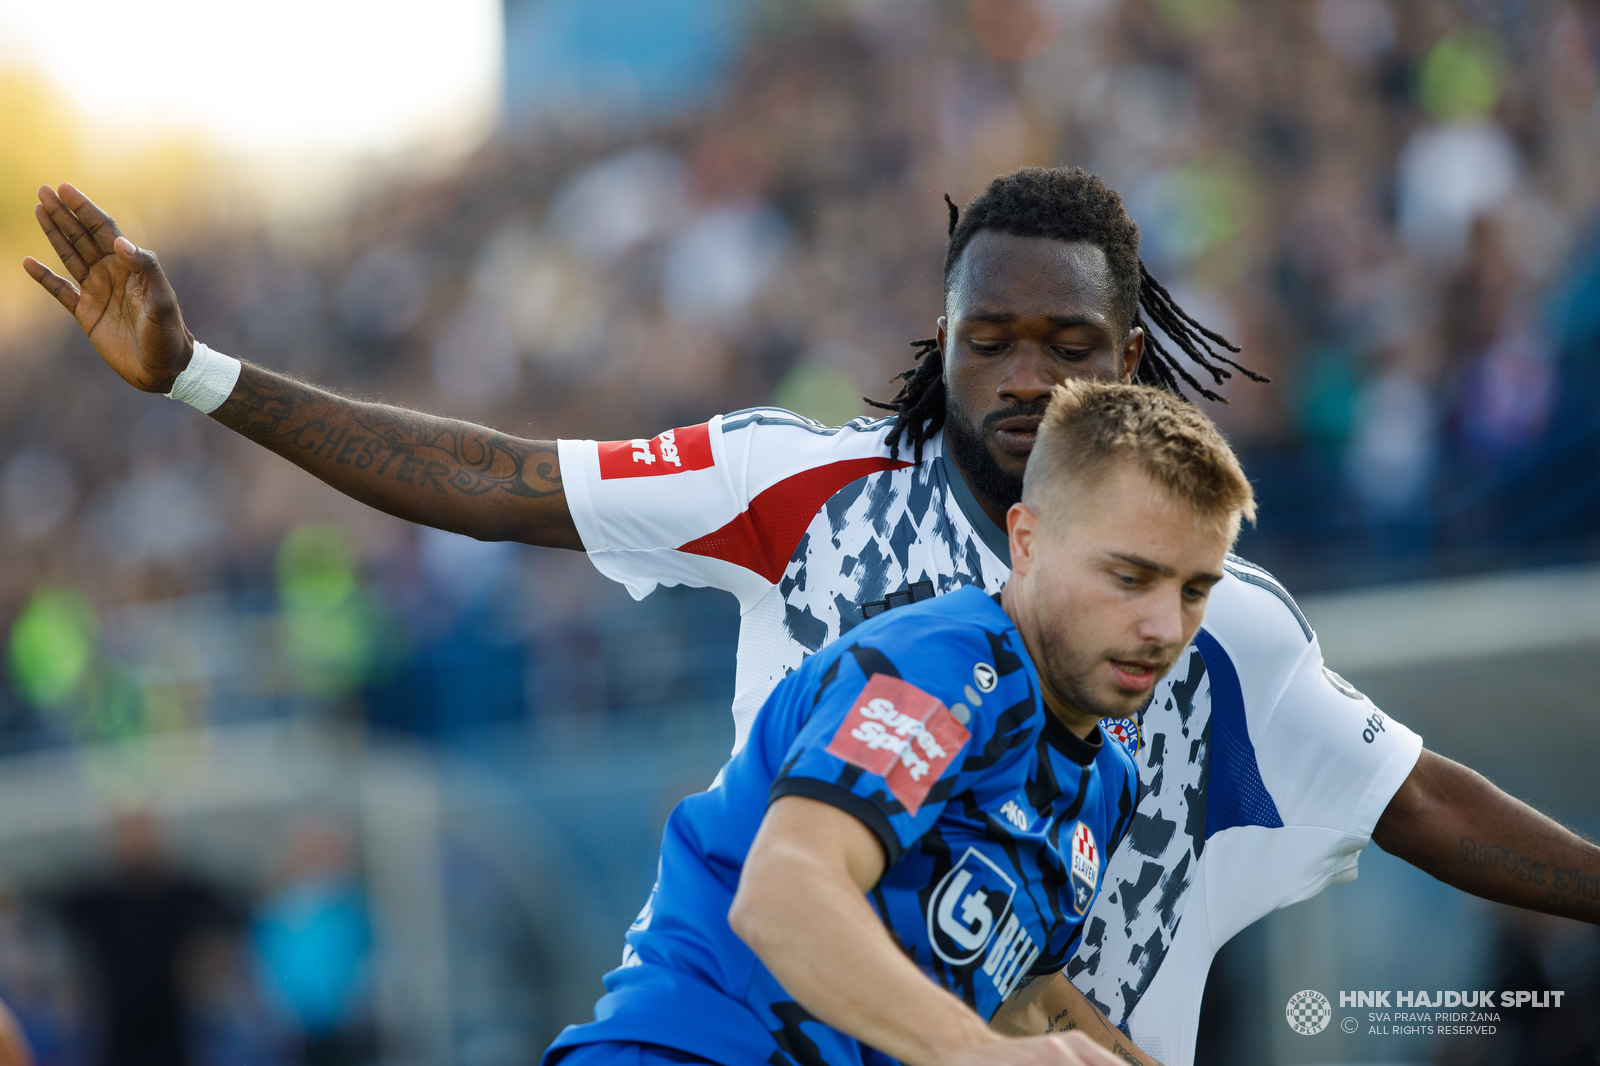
615	57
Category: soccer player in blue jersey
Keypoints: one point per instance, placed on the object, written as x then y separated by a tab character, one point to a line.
910	841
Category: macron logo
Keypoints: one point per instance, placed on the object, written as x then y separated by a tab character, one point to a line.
1013	814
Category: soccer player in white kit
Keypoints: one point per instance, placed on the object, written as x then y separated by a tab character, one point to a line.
1262	773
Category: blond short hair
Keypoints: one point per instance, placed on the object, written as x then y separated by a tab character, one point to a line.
1091	425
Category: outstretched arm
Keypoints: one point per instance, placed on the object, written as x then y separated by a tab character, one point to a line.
1451	822
801	906
437	471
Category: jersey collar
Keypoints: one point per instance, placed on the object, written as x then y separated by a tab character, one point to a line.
1080	750
993	537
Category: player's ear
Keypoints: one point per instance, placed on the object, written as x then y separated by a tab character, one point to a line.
1132	353
1022	530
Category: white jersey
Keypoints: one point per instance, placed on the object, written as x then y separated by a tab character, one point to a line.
1262	774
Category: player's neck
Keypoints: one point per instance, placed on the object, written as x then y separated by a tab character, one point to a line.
992	489
1018	608
994	509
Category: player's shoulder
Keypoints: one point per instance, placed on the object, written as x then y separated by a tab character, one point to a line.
960	648
762	448
922	630
1253	615
781	417
774	432
777	421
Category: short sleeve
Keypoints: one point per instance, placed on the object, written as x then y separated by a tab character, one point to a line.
637	503
881	742
722	504
1328	755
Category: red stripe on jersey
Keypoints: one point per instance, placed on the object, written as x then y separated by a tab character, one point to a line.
764	536
671	452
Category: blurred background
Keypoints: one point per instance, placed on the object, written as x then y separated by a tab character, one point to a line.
283	780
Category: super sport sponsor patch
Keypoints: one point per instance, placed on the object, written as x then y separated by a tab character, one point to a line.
672	452
902	734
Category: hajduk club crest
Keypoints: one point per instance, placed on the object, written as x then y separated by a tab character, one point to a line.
1124	731
1085	868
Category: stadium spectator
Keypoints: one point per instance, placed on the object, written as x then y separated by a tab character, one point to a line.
312	944
139	927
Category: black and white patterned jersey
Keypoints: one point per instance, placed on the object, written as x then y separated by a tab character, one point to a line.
1261	772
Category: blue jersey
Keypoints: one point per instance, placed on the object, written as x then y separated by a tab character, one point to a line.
926	724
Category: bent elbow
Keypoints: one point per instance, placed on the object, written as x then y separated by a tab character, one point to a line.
753	914
744	916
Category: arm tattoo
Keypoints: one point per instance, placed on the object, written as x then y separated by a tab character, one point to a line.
1571	883
391	442
1064	1026
1125	1054
1569	890
1522	867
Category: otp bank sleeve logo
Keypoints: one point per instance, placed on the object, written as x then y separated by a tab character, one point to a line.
672	452
968	906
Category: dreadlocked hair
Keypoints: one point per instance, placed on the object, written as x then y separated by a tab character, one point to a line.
1065	204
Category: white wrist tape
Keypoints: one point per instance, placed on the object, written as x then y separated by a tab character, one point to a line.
208	380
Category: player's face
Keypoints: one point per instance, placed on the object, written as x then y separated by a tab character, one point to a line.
1024	314
1110	583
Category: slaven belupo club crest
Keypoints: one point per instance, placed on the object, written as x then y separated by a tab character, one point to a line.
1085	868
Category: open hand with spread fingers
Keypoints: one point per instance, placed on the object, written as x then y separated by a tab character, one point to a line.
442	472
118	292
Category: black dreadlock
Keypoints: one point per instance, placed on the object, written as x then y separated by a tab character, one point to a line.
1065	204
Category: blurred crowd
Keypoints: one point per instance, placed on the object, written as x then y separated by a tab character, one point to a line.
130	957
1389	206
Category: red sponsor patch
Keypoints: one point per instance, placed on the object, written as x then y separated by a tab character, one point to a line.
671	452
903	735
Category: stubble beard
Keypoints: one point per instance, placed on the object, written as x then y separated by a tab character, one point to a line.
1072	683
988	482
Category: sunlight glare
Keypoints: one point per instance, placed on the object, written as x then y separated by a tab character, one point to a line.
315	77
